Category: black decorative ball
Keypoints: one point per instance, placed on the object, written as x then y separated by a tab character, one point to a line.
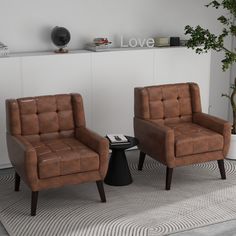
60	36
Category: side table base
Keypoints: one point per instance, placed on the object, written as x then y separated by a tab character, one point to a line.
118	173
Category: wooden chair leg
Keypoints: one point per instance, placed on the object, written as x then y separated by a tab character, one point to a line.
34	200
17	182
222	169
101	190
141	160
169	172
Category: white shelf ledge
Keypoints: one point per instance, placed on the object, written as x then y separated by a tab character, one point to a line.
47	53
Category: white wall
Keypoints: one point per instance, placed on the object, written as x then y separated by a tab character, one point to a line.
26	25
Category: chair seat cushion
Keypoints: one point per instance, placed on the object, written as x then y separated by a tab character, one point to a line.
192	139
63	157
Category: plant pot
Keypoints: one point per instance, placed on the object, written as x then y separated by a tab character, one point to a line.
232	148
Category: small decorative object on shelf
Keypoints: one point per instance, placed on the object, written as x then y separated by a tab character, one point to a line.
169	41
60	37
117	139
99	45
174	41
162	42
4	51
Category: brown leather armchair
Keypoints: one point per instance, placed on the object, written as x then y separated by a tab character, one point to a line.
172	129
49	145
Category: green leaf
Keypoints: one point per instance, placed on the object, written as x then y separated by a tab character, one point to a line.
215	4
233	30
225	95
223	20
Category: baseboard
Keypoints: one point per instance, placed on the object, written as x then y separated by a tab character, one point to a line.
5	166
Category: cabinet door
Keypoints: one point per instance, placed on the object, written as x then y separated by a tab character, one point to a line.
178	65
10	87
115	74
56	74
4	159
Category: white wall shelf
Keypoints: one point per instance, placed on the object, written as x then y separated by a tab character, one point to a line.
106	80
52	53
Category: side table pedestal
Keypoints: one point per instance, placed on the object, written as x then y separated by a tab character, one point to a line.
118	173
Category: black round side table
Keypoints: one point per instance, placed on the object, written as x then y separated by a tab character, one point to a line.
118	173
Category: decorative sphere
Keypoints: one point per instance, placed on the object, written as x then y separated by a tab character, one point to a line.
60	36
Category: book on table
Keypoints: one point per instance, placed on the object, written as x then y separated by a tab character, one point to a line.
117	139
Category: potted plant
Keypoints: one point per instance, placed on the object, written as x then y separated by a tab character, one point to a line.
202	40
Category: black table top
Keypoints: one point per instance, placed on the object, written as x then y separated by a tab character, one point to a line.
132	142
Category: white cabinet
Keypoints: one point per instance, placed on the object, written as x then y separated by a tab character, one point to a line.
179	64
115	74
54	74
10	87
106	80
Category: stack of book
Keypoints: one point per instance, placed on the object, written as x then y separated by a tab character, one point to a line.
99	45
117	139
97	48
4	51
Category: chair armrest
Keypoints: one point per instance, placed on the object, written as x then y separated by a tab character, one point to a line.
23	158
211	122
218	125
97	143
155	140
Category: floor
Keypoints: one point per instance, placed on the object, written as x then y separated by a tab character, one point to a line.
226	228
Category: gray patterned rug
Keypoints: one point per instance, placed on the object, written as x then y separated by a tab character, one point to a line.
198	198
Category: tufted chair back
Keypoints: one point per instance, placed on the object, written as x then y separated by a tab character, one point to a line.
171	103
45	117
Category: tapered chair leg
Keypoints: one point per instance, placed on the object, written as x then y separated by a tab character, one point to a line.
101	190
17	182
169	172
34	200
222	169
141	160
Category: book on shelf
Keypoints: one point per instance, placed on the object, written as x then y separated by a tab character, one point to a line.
97	48
117	139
